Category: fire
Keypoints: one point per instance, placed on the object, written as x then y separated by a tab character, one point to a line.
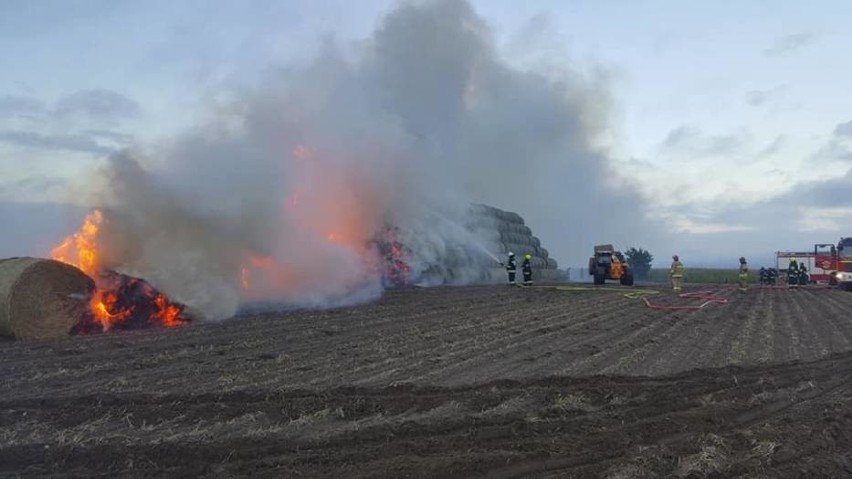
395	256
80	249
331	211
119	301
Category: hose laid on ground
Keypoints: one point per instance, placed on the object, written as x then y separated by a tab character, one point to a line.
634	294
708	296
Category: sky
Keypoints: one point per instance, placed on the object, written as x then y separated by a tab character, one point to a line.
732	119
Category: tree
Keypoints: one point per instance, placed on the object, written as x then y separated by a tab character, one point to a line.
640	261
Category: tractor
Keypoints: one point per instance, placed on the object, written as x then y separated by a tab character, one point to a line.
609	264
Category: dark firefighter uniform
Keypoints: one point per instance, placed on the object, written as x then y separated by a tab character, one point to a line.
803	274
793	273
511	268
526	268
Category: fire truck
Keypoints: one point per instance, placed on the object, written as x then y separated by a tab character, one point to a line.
827	263
838	262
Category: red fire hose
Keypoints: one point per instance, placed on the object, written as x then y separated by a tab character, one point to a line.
708	296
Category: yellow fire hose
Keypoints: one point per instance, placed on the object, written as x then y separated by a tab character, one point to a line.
635	294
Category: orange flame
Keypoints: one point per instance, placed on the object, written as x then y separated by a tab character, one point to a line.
81	250
331	207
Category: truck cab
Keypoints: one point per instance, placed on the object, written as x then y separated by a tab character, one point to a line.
843	275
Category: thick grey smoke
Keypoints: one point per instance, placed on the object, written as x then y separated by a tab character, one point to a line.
278	194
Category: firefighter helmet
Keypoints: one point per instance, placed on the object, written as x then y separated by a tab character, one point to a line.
675	257
528	256
511	254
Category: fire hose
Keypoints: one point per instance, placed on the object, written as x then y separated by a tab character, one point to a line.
707	296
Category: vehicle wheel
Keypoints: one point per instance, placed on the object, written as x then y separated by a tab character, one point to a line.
599	278
846	286
832	280
627	279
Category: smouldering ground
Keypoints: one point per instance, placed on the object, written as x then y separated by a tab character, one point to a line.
449	382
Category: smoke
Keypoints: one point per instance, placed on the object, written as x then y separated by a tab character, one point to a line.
279	194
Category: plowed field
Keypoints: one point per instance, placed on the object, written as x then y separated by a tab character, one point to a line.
450	382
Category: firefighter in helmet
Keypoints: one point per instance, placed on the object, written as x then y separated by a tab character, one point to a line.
511	268
742	278
526	268
792	273
676	273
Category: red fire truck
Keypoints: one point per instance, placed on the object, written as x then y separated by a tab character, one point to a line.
836	262
827	263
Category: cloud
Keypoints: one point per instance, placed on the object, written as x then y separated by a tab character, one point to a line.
839	147
690	140
113	136
828	219
757	97
39	183
13	105
692	226
98	104
32	229
80	143
843	130
772	148
789	43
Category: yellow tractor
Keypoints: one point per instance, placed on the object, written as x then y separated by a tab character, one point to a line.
609	264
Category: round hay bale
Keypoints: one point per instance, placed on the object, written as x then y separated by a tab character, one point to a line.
514	218
519	249
41	298
551	263
544	253
536	242
487	234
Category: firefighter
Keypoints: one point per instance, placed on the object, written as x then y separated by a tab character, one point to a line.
511	268
742	279
526	268
676	274
803	274
763	275
773	275
792	273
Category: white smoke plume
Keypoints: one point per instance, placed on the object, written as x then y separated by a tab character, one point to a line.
278	195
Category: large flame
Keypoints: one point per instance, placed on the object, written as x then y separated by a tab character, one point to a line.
333	211
118	299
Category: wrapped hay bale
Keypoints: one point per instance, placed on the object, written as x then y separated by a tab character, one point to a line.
41	298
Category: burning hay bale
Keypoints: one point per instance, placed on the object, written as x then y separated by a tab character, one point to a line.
41	298
48	299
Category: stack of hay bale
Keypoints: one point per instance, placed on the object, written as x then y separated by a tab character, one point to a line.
504	231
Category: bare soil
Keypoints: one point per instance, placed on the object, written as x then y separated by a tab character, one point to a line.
449	382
